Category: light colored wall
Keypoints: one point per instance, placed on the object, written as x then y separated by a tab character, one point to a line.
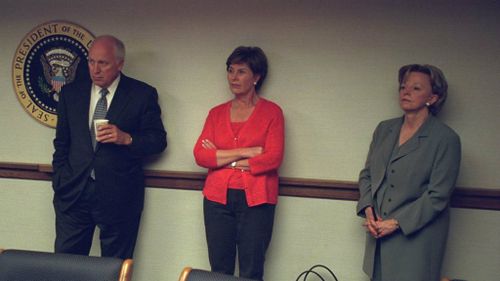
333	70
307	232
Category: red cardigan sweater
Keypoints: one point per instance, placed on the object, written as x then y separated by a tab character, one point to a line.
264	127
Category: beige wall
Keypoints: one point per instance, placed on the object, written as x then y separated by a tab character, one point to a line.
333	70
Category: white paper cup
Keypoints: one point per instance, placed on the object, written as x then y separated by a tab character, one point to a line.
99	122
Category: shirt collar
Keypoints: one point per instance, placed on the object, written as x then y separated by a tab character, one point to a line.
112	87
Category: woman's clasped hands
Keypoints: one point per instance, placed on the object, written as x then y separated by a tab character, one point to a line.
378	227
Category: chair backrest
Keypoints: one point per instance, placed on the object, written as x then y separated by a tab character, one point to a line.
21	265
190	274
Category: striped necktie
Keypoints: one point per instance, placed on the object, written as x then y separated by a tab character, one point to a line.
101	108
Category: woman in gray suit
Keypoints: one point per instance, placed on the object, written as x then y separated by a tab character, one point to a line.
407	182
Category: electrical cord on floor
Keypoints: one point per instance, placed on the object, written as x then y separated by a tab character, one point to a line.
312	270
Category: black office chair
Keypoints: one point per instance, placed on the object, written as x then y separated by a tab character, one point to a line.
21	265
190	274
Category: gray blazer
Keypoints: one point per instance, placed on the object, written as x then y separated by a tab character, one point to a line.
419	182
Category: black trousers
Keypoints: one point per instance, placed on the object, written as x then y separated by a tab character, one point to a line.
75	229
236	228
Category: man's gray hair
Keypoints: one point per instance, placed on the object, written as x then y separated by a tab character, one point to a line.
118	44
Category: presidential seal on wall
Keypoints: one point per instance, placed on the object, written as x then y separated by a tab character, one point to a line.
50	56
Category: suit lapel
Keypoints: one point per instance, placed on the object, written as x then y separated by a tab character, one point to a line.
80	111
120	100
390	141
415	141
386	148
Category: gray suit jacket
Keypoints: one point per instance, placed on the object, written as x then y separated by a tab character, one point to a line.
420	180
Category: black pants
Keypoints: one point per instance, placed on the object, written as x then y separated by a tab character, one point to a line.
75	229
235	227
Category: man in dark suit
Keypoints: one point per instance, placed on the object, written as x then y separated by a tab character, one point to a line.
99	181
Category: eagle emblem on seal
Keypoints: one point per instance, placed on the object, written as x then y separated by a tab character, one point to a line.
59	68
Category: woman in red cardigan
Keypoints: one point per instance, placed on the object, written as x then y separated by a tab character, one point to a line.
242	146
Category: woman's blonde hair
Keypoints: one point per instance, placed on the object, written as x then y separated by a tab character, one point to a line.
438	82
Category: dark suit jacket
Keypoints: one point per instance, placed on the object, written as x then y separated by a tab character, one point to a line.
422	178
118	168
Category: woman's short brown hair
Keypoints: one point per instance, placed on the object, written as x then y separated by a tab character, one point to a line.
438	82
254	57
